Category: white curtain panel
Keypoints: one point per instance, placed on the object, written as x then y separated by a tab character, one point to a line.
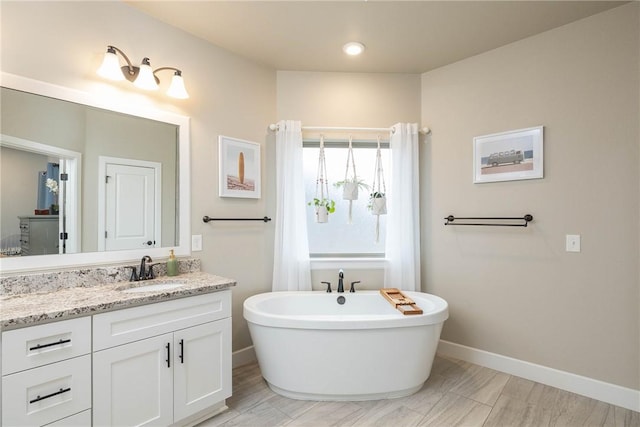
291	266
403	211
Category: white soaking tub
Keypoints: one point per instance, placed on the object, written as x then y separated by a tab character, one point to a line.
311	347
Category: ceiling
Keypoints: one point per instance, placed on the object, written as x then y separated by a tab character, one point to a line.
400	36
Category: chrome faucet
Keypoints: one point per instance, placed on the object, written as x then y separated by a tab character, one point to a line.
145	274
340	281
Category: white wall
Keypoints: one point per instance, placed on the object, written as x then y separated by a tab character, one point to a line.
64	42
516	292
18	186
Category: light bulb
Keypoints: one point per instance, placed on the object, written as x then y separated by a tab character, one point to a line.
110	68
177	89
146	80
353	48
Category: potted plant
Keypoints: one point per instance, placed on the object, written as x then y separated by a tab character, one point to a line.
52	185
350	187
323	208
378	203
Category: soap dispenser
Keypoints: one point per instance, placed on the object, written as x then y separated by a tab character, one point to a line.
172	264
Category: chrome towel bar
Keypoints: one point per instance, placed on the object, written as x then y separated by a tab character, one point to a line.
208	219
490	221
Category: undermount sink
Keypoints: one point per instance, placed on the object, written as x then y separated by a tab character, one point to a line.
154	288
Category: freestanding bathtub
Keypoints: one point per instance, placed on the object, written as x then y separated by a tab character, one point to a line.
311	347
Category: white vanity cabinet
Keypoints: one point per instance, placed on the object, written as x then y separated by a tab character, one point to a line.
162	363
46	374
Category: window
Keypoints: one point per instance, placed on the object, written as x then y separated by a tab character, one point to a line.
338	238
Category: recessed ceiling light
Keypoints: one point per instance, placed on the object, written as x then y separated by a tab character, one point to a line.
353	48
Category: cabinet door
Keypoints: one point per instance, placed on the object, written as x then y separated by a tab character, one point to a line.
202	372
133	383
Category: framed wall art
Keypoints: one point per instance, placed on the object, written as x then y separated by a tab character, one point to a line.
239	168
508	156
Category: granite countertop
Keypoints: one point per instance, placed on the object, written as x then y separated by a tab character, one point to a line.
28	309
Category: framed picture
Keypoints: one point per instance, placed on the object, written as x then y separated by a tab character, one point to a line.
239	168
508	156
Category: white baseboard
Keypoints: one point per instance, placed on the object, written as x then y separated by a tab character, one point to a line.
595	389
243	356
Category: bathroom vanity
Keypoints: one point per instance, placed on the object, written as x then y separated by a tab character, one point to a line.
117	353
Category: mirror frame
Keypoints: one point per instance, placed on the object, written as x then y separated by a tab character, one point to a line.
65	261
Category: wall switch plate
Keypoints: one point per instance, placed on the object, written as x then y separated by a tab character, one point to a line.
196	242
573	243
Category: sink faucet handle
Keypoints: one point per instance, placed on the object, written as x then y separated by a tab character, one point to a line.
353	289
151	274
328	286
134	274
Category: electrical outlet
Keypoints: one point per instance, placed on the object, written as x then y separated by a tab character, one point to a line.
573	243
196	242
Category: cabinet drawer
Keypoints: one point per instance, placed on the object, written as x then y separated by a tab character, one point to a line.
83	419
132	324
39	345
46	394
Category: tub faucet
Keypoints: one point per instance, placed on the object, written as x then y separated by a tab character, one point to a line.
340	281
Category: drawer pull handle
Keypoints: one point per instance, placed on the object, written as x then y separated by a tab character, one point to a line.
181	351
39	398
168	347
39	346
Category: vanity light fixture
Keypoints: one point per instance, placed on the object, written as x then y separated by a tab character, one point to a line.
353	48
143	76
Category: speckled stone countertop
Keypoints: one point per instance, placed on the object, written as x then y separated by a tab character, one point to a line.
27	309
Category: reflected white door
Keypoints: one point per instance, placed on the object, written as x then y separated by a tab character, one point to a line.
132	208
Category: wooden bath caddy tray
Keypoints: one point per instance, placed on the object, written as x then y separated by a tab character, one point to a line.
401	302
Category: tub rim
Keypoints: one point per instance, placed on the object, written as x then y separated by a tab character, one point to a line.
253	315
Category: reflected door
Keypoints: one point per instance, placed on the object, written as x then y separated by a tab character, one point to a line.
130	207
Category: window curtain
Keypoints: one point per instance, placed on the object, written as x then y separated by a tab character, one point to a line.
403	217
291	266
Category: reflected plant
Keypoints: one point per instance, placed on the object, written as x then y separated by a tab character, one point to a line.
52	185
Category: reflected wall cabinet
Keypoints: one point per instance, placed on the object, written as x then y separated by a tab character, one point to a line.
39	234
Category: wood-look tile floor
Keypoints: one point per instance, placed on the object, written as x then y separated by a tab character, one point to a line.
457	394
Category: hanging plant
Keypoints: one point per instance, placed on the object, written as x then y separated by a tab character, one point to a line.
351	184
377	203
378	198
323	205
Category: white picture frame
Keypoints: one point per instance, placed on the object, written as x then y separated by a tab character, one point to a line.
239	168
509	156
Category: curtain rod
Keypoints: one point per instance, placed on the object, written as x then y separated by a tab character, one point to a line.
274	127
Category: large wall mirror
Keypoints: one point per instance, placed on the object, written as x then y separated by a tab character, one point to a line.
86	182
